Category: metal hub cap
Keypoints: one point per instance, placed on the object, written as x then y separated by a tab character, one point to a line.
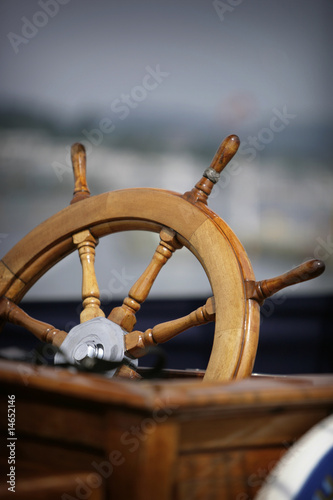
97	338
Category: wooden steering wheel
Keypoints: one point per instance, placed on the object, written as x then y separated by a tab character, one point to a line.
181	220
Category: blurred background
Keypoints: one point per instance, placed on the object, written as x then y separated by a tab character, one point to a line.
151	89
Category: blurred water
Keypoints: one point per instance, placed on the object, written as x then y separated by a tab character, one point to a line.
281	212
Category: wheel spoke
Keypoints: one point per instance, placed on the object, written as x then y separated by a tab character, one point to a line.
126	372
125	314
43	331
136	343
86	243
81	189
262	290
223	155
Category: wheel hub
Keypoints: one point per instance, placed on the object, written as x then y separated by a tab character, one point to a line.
98	338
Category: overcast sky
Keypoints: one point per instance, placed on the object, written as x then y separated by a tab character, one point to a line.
231	62
225	61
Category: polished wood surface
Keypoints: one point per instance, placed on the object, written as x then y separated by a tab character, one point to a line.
181	220
86	244
226	151
136	343
125	315
171	439
42	483
81	189
213	434
261	290
45	332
